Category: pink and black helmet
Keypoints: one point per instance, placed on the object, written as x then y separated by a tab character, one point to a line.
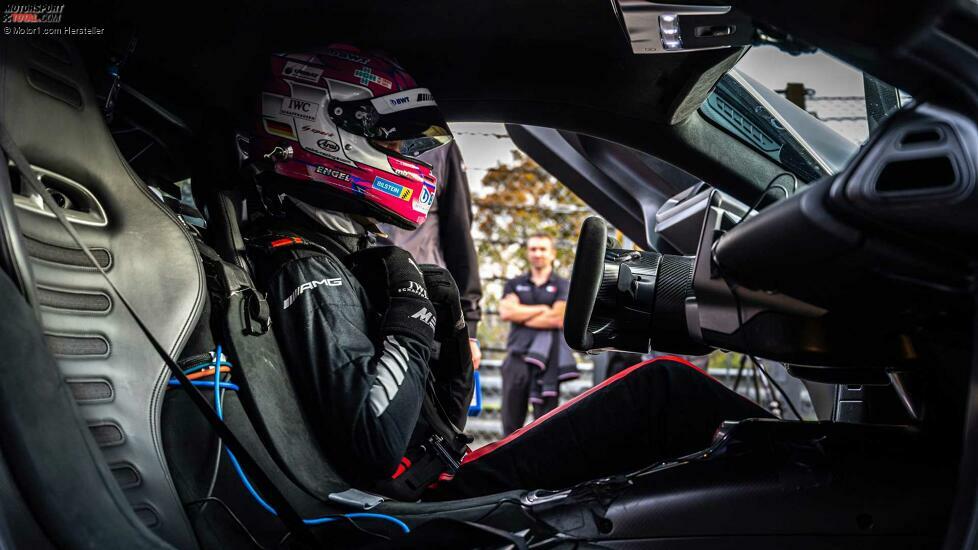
343	128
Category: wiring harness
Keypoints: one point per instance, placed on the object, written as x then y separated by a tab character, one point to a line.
219	366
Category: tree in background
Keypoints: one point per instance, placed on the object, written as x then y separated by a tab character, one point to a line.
518	200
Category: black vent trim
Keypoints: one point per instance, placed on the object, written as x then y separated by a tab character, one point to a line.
77	345
107	434
83	301
147	515
55	86
87	391
67	256
126	475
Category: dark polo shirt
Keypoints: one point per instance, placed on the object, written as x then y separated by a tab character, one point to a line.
549	292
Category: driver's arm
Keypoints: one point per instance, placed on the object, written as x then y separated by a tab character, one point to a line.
369	397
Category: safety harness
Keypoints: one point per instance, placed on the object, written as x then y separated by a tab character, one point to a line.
437	445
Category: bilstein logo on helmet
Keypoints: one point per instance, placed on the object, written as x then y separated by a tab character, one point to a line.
393	189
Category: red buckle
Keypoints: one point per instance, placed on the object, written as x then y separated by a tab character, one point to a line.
402	467
286	241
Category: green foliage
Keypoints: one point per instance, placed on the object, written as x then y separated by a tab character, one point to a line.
522	199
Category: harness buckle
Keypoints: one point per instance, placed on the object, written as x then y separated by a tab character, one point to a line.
257	315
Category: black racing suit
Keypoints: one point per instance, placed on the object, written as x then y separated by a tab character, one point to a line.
362	387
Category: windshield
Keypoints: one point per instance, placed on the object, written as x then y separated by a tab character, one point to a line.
806	113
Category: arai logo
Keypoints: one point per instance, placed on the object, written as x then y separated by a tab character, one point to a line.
328	146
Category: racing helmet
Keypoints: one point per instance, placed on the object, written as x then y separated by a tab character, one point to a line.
342	128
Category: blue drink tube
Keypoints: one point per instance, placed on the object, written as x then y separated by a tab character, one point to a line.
475	408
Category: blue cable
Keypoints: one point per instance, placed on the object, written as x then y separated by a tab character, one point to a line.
196	368
207	384
254	493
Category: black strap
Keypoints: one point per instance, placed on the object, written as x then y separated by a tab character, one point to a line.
285	510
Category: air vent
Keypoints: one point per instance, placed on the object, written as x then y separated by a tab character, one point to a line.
89	391
74	300
107	434
147	515
65	256
916	175
924	136
126	475
77	345
55	87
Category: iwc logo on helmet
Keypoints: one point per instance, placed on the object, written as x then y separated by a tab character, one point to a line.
299	108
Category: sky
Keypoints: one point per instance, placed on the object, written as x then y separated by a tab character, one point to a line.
771	67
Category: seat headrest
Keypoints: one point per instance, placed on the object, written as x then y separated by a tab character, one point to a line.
53	114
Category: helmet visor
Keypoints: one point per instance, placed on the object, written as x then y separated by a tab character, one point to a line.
405	123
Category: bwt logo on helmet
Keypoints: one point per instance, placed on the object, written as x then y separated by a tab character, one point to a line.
299	108
400	100
302	71
347	56
309	286
393	189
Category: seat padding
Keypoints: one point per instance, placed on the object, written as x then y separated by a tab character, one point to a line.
51	111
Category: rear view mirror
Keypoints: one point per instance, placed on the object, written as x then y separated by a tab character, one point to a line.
664	28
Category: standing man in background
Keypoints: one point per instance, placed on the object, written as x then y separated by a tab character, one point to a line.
445	238
537	358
